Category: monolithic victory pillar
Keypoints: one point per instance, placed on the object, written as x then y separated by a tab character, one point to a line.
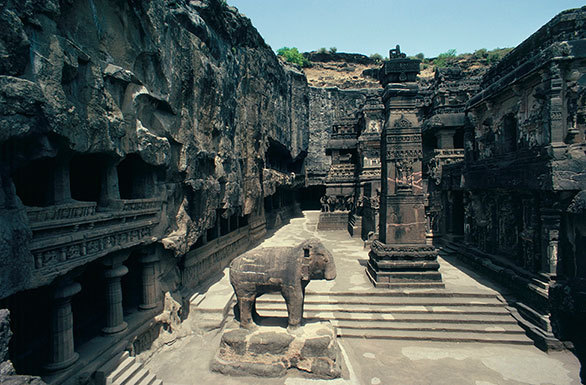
62	348
400	257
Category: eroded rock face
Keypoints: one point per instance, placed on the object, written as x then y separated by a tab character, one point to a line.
189	87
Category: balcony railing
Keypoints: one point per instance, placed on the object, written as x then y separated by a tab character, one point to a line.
72	234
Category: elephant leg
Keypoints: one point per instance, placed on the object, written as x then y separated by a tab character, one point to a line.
246	312
255	316
294	299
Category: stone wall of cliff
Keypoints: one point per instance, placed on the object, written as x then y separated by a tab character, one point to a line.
188	86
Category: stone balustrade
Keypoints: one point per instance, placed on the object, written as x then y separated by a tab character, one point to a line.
214	256
38	216
70	235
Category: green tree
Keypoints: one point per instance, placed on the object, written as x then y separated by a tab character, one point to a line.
333	50
322	50
481	53
420	56
446	58
292	55
376	57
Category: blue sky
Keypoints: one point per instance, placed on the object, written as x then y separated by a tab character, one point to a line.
374	26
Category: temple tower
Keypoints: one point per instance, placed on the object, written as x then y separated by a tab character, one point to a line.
400	257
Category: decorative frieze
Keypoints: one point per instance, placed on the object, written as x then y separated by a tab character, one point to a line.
68	251
38	215
81	235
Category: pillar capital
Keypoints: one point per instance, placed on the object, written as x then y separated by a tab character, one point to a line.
66	290
116	271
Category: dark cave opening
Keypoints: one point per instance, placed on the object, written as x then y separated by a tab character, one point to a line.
309	197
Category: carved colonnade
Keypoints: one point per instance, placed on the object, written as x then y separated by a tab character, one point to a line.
61	340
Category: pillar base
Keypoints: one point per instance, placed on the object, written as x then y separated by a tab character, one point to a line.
404	266
115	329
147	306
55	366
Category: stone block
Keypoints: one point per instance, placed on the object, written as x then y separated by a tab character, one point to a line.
270	351
271	343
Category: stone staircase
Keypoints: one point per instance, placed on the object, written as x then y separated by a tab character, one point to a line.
125	370
427	315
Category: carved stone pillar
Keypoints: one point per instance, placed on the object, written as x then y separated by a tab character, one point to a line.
400	257
110	189
149	281
61	183
62	347
558	126
550	227
114	310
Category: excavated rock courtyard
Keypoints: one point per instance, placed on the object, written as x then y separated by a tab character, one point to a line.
394	356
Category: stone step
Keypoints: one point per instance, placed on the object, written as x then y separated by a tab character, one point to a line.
407	284
128	374
429	326
538	319
138	377
417	335
117	363
148	380
428	293
122	368
392	309
434	301
400	317
539	283
412	276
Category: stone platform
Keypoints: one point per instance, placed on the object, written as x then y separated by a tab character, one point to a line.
270	351
337	220
404	266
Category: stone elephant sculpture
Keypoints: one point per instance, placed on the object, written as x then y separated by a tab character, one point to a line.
287	270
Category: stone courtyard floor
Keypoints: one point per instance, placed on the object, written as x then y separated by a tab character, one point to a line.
371	361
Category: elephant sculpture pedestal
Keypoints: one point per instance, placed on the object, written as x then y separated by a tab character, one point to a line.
268	351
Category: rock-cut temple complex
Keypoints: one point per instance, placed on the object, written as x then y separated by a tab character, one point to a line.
145	145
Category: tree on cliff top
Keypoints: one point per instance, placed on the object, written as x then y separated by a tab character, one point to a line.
292	55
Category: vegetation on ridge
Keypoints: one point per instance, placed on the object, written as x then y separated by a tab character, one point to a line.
292	55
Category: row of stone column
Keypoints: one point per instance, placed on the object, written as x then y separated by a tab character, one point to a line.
62	347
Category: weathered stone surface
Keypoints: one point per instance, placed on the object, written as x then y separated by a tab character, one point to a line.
235	340
7	372
6	369
270	351
271	343
190	88
5	334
